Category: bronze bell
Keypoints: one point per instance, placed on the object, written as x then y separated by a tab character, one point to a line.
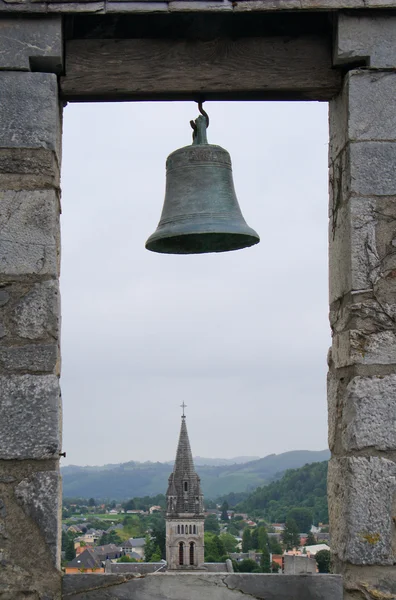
201	213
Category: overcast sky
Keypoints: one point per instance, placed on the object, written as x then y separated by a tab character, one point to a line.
241	337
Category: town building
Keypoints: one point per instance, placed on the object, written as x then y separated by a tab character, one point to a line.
184	516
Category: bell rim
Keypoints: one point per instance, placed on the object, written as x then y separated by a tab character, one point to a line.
157	241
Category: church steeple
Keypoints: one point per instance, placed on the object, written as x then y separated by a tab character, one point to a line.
184	517
184	489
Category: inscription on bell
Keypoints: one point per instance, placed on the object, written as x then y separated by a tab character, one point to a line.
195	155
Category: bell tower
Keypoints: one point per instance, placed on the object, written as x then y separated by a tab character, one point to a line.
184	516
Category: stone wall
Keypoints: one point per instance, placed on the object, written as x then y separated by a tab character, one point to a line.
163	6
362	361
196	586
30	403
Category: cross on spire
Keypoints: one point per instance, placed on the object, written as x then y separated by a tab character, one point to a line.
183	406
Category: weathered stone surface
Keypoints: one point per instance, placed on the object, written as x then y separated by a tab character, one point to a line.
370	415
40	498
37	357
29	232
123	6
37	314
203	586
372	168
3	331
26	7
369	39
29	111
30	422
367	316
31	43
4	297
362	413
354	347
354	259
361	495
363	110
22	169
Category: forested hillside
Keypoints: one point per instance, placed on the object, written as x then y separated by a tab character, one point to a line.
298	488
132	479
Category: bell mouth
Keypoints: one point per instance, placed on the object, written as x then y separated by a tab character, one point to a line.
201	243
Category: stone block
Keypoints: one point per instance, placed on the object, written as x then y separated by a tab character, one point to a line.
203	586
362	413
31	44
29	233
372	168
30	406
29	111
40	498
34	357
363	111
370	415
361	495
364	315
22	169
353	254
355	347
369	40
37	314
361	243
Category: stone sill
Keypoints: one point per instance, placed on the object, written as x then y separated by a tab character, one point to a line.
199	586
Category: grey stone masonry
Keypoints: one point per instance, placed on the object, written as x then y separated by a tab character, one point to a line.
31	44
202	586
362	361
155	6
30	400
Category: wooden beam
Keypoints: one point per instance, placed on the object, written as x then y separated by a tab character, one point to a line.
265	68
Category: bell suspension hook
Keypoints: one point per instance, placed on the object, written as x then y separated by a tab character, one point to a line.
199	130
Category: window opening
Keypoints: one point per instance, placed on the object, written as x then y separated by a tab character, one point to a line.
192	553
185	486
181	553
190	528
178	529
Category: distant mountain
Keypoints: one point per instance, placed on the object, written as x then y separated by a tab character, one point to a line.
132	479
220	462
305	487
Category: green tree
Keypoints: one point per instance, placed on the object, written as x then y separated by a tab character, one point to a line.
158	533
323	561
156	556
129	505
262	536
274	545
70	552
224	514
291	535
311	540
229	542
214	547
246	541
254	538
126	559
247	565
149	548
303	517
265	561
91	502
212	524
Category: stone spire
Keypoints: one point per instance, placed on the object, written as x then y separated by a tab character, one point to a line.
184	490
